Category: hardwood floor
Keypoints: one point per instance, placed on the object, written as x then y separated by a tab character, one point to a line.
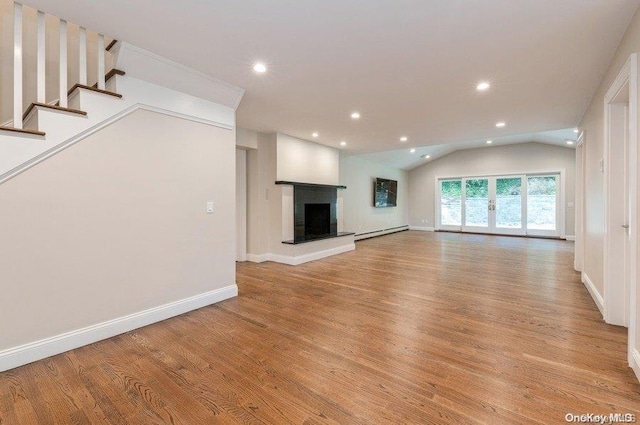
412	327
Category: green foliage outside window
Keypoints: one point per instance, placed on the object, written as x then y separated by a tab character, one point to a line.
478	188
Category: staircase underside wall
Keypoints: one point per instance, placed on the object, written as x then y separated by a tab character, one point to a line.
116	225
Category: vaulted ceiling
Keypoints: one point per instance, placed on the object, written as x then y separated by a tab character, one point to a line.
409	67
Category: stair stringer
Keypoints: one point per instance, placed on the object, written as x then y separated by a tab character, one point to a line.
19	153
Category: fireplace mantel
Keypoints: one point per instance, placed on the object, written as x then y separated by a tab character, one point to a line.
310	184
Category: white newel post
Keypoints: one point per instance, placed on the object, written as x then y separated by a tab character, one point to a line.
82	55
41	91
63	63
17	65
101	52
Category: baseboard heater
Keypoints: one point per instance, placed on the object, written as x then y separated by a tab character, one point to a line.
381	232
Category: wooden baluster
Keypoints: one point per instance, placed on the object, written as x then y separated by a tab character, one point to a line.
101	68
17	65
83	57
41	90
63	63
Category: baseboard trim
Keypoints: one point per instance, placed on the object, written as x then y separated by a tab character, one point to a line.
300	259
570	237
422	228
258	258
597	298
635	362
381	232
27	353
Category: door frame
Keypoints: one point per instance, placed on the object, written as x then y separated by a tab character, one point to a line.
559	207
438	213
561	200
241	205
475	229
581	158
493	218
626	83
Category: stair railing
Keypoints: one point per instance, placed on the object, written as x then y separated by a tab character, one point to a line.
41	71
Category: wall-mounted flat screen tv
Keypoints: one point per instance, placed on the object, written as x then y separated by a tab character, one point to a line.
385	193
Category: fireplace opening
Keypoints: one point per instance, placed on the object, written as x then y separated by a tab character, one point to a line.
317	220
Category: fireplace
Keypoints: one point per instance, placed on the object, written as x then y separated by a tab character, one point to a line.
315	212
317	220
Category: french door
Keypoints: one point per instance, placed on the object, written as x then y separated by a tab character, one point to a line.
508	205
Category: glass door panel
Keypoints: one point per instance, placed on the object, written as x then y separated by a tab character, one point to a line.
542	200
476	204
508	205
451	204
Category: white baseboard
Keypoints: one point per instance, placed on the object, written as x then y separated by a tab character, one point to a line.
597	298
422	228
635	363
381	232
257	258
570	237
300	259
27	353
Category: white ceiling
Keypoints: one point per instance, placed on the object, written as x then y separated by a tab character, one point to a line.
406	160
410	67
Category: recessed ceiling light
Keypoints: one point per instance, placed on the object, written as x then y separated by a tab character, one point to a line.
343	143
355	116
404	139
260	68
314	134
575	130
427	156
489	142
412	150
570	142
483	86
500	124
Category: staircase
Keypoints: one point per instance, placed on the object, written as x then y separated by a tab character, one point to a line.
46	123
90	89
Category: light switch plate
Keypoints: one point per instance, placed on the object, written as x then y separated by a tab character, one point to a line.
209	207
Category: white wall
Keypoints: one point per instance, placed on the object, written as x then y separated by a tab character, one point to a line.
358	213
241	205
246	139
593	126
115	225
260	177
306	162
510	159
